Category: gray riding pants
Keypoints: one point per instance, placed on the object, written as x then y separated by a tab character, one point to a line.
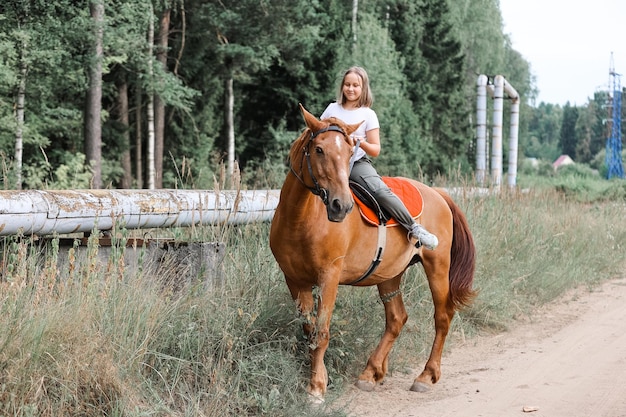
364	173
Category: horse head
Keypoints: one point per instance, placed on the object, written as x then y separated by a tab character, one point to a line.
320	159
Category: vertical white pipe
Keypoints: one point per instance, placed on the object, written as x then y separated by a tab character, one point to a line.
513	138
481	129
496	137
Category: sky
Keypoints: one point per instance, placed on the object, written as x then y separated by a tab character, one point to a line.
568	44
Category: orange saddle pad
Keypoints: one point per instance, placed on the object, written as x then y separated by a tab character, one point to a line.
406	191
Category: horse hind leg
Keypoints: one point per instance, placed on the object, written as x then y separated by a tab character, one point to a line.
444	312
395	318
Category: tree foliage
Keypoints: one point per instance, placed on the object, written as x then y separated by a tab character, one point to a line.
423	58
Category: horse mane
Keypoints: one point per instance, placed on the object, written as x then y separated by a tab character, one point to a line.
297	147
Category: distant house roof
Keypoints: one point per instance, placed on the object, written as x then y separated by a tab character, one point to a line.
562	160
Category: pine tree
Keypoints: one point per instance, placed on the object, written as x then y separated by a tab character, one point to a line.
434	67
93	98
568	140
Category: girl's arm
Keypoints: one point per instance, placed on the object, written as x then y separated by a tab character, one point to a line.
372	145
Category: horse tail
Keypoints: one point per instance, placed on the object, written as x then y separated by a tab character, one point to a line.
462	257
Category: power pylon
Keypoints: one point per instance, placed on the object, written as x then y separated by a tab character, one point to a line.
614	131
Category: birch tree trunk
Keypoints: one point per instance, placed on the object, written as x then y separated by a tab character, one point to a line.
150	108
159	106
355	12
122	103
138	136
19	115
229	122
93	105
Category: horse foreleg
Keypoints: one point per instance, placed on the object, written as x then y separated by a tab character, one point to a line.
395	318
316	328
320	339
444	312
303	296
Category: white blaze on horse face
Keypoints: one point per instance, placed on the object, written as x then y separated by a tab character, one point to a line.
340	142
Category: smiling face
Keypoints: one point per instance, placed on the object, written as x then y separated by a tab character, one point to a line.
352	89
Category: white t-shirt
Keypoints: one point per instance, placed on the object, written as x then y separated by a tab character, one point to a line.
354	116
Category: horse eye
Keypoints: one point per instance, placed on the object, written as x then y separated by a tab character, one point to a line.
318	150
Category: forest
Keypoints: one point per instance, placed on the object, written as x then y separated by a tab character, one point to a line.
175	93
204	94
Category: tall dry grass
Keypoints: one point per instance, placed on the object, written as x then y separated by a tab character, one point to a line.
95	339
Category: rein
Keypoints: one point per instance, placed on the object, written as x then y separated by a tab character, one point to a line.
316	189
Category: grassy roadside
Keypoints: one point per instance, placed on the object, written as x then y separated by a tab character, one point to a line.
101	341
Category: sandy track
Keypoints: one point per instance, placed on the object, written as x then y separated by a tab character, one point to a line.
568	360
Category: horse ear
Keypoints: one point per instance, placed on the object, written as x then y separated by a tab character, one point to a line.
350	129
311	121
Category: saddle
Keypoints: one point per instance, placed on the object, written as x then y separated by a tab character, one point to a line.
375	215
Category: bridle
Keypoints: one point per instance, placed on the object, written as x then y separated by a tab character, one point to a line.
316	189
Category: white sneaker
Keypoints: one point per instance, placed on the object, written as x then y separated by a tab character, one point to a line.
423	236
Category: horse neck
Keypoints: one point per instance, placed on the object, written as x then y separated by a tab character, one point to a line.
300	202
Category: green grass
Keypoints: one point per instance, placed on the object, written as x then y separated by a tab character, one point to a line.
98	340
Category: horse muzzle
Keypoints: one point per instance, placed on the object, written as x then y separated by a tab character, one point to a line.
337	209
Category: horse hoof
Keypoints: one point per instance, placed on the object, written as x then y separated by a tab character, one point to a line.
316	399
420	387
366	386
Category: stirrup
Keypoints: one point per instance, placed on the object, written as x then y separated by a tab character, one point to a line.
418	242
421	233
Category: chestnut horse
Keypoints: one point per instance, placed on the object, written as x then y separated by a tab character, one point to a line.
319	241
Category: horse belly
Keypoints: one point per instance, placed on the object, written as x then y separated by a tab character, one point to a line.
396	256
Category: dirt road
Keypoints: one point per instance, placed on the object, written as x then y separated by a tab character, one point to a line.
567	360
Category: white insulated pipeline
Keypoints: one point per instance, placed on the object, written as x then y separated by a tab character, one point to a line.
481	129
35	212
497	91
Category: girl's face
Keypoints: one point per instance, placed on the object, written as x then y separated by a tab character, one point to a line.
352	88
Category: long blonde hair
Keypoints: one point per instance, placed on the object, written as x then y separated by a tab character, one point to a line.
367	97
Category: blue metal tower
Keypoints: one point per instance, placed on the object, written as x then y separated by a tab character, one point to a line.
614	137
